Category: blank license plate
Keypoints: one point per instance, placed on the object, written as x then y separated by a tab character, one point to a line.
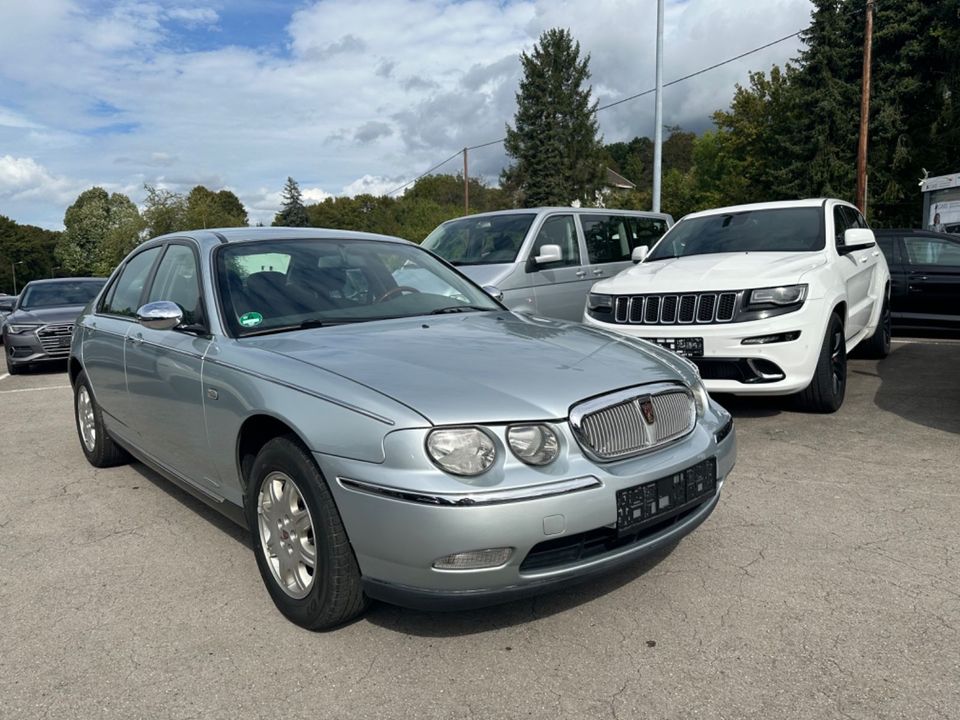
654	501
686	346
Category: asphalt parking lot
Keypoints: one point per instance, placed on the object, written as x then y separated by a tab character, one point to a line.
826	585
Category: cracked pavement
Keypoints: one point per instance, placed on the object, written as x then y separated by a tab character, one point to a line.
825	585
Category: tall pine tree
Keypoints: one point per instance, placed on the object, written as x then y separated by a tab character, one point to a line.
555	145
293	214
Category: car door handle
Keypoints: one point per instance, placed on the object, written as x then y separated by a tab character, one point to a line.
581	273
135	339
598	271
864	259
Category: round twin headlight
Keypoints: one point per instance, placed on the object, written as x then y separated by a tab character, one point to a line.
700	396
461	451
533	444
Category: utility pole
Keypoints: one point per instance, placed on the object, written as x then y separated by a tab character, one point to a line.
658	114
466	185
13	269
865	112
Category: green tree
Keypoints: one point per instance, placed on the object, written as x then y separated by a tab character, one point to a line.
208	209
31	248
99	230
293	214
555	145
164	211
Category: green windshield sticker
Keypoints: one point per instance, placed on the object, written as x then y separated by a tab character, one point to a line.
251	319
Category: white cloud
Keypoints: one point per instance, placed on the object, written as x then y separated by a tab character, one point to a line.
23	178
364	95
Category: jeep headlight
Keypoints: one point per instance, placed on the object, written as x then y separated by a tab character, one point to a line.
783	295
462	450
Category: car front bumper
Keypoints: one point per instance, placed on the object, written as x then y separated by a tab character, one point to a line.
397	539
729	366
27	348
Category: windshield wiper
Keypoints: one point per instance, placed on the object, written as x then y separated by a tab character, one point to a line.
459	308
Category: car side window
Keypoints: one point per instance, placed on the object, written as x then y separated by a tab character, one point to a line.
559	230
841	222
610	238
931	251
124	297
888	245
177	280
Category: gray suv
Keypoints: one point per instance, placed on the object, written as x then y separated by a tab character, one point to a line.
544	260
40	327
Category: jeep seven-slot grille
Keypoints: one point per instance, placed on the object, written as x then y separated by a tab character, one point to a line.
702	308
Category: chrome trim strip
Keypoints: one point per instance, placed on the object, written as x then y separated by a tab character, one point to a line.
474	499
298	388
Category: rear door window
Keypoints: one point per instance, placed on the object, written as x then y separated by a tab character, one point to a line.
612	238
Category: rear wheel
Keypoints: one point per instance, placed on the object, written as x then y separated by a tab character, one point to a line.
100	449
302	550
826	391
878	346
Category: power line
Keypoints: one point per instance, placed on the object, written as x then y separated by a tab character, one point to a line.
626	99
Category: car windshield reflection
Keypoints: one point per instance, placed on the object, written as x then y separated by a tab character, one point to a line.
282	285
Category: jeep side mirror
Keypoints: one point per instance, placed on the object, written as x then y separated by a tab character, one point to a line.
639	253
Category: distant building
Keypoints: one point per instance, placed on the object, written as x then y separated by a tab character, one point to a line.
941	203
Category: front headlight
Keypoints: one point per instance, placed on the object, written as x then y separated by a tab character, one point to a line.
783	295
20	329
701	397
598	302
461	451
533	444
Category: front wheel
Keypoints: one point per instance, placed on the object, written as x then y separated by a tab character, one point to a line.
826	391
302	550
98	447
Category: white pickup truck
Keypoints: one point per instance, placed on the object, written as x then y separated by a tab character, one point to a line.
766	299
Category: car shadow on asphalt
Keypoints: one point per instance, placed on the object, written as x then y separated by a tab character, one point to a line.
753	407
193	503
518	612
920	383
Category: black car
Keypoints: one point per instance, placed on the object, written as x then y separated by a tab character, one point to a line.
924	277
41	325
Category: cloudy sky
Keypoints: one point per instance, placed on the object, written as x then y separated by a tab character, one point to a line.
345	96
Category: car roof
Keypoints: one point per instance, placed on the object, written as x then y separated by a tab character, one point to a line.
563	209
249	234
55	281
775	205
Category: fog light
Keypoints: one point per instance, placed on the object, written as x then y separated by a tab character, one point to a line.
474	559
767	339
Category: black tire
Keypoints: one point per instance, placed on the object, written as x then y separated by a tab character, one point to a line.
878	346
103	452
825	392
334	594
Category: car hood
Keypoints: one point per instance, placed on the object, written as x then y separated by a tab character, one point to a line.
46	316
486	367
719	271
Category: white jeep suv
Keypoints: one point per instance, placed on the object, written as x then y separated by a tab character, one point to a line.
765	299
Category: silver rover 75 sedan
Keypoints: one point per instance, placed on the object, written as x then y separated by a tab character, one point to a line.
411	442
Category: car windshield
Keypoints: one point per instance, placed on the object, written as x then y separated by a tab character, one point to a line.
782	230
482	240
278	285
59	294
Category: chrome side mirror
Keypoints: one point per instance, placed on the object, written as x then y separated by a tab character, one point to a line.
639	253
160	315
549	254
494	292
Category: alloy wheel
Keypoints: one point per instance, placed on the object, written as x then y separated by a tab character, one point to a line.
287	536
86	419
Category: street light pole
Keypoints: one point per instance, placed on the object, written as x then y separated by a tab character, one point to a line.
864	112
13	268
658	114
